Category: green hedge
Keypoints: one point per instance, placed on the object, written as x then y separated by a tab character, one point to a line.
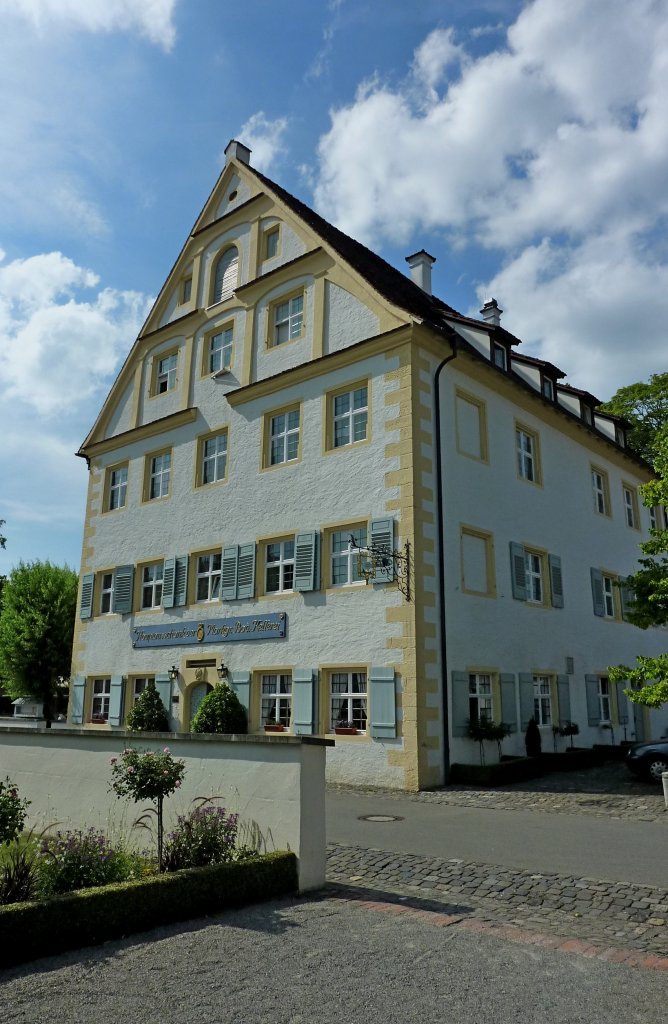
516	769
574	760
91	916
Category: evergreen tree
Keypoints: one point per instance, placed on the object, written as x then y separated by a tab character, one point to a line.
148	713
220	711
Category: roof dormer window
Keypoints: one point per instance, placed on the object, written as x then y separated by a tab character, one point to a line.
587	415
500	356
548	389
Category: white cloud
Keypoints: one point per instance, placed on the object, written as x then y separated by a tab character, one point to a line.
150	18
265	138
561	133
56	349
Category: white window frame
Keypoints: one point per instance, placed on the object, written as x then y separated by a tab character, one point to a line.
276	698
500	356
600	492
208	572
609	602
604	699
481	696
349	420
288	319
527	465
225	275
271	240
347	556
349	703
151	585
160	468
139	684
282	563
165	379
534	568
220	350
284	436
106	593
542	700
101	698
630	507
118	487
213	466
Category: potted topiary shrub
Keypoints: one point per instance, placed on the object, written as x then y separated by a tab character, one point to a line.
532	740
570	729
221	711
148	713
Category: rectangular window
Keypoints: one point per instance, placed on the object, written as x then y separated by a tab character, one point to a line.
271	243
535	577
604	698
208	577
284	437
500	356
653	518
186	290
276	691
526	445
151	585
106	593
220	350
287	320
350	413
166	375
345	560
548	389
138	686
348	700
159	470
600	491
279	566
117	487
609	600
213	459
471	426
480	697
631	507
477	557
101	698
542	700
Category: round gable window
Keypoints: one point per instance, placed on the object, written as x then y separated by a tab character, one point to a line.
233	195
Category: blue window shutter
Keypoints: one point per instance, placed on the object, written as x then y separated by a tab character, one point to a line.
518	573
163	685
627	598
508	704
228	586
87	587
593	704
181	581
460	703
77	700
305	560
240	683
123	580
381	535
622	702
556	581
304	701
383	702
246	572
116	700
564	695
526	699
168	577
597	592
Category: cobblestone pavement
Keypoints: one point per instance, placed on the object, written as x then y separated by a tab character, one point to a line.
611	915
608	791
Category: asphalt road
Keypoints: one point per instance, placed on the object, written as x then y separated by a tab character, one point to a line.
571	844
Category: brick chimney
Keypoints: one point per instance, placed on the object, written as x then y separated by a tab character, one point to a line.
420	264
237	151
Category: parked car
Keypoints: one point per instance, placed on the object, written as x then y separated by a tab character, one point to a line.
649	759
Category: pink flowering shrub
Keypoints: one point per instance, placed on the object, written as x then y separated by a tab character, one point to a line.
148	775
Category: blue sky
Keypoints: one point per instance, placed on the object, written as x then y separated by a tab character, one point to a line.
524	144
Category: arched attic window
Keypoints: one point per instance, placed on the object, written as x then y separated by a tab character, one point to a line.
225	275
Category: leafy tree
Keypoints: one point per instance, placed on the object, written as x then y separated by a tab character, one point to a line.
645	406
36	630
220	711
649	587
151	775
148	713
3	540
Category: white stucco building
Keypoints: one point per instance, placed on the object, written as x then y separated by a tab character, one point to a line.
291	397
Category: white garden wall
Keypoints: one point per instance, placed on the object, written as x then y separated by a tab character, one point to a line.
277	782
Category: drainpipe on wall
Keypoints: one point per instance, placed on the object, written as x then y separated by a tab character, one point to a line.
441	560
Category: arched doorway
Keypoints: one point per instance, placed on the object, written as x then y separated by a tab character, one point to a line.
197	695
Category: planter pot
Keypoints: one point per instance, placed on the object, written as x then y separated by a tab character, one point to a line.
341	730
274	728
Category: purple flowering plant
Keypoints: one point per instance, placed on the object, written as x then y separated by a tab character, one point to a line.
207	835
78	860
147	775
13	811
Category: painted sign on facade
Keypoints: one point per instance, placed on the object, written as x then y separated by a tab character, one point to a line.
212	631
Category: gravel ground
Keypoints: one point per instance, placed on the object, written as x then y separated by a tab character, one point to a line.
321	960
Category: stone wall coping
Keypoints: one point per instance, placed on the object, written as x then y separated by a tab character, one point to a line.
136	738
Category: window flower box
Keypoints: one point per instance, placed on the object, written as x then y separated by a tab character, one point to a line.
345	730
274	727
